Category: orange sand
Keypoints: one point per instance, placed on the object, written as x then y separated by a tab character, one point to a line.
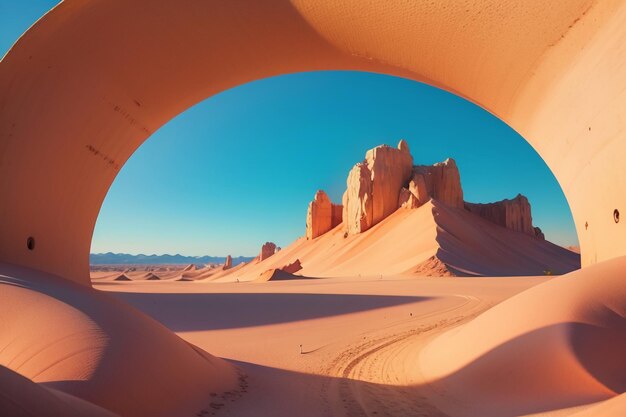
405	346
82	342
405	242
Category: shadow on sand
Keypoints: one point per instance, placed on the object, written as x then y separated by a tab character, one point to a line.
206	311
492	385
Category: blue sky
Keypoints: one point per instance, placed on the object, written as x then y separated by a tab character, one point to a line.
240	168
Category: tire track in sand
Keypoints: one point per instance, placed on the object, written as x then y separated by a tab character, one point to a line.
373	375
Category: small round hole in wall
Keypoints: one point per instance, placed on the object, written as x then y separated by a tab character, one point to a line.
30	243
616	215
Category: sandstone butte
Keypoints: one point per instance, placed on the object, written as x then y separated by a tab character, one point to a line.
228	263
267	250
322	215
513	214
387	180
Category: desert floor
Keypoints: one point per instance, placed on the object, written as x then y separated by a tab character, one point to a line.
336	347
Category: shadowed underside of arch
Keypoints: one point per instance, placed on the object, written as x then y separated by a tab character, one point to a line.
90	81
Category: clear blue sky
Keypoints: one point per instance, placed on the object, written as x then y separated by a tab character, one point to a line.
240	168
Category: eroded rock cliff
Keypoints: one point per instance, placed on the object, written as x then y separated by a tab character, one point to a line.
514	214
387	180
374	185
267	250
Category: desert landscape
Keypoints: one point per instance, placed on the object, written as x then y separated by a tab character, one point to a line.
402	299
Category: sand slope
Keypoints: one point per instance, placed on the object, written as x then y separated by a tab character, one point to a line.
559	344
431	240
83	342
20	397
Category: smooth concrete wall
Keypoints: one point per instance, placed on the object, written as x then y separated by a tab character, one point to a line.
92	80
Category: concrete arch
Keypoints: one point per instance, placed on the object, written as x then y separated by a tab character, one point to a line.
90	81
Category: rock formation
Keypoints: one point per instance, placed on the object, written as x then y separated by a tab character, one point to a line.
374	185
277	274
441	181
293	267
337	215
417	187
387	180
267	250
319	215
322	215
407	199
228	263
513	214
357	200
391	169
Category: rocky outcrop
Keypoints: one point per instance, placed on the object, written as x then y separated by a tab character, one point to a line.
267	250
387	180
513	214
277	274
391	169
293	267
374	185
407	199
285	272
337	215
322	215
228	263
417	187
319	215
357	200
441	182
539	233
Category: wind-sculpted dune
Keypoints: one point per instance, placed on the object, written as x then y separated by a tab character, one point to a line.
557	345
84	343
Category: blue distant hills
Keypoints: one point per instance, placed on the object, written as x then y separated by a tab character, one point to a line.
111	258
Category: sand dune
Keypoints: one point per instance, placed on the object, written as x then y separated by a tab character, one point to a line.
122	277
615	407
86	344
398	346
150	276
433	239
200	273
406	346
138	275
559	344
217	273
20	397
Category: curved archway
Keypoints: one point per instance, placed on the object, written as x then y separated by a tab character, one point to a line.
313	126
79	95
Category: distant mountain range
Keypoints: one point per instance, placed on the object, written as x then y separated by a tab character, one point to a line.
111	258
